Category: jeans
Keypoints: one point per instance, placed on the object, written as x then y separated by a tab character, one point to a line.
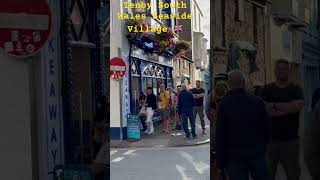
185	116
199	110
240	169
288	154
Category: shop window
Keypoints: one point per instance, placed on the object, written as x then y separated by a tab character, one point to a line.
135	93
170	83
177	67
134	68
153	71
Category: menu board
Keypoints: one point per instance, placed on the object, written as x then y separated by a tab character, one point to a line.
133	127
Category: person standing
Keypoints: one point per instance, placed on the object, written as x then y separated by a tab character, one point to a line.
178	125
171	105
312	142
243	133
101	163
185	108
198	94
220	90
142	112
284	103
178	89
164	108
151	106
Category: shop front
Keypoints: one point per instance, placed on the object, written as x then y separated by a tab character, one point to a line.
84	85
147	73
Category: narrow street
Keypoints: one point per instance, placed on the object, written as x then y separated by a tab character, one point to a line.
181	163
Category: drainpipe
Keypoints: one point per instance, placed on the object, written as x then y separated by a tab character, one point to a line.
121	98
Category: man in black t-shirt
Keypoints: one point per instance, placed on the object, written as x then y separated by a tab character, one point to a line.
284	103
198	95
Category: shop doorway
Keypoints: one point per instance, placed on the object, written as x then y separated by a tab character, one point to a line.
82	113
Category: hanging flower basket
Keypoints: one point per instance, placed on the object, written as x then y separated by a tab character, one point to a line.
163	44
165	35
182	45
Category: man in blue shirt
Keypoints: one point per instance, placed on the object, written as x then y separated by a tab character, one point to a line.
185	109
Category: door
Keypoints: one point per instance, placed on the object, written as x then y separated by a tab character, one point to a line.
82	112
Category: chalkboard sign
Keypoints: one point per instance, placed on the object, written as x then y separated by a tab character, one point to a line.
73	172
133	127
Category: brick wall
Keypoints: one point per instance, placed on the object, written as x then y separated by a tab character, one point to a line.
244	31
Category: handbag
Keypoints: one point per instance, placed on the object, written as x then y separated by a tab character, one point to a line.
143	111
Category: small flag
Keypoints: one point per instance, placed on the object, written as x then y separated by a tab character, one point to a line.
178	28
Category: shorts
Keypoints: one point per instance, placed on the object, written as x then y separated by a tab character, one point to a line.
164	113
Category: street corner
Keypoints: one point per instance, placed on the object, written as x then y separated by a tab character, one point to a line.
173	139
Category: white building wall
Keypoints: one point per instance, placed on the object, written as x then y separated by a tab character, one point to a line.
15	124
115	42
119	47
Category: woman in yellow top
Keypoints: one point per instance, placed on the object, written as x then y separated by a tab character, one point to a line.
164	108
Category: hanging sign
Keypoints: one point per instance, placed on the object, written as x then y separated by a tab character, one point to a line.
117	68
25	26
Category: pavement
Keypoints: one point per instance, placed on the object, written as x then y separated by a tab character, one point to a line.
167	140
174	163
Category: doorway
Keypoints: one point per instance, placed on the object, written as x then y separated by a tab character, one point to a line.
82	107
